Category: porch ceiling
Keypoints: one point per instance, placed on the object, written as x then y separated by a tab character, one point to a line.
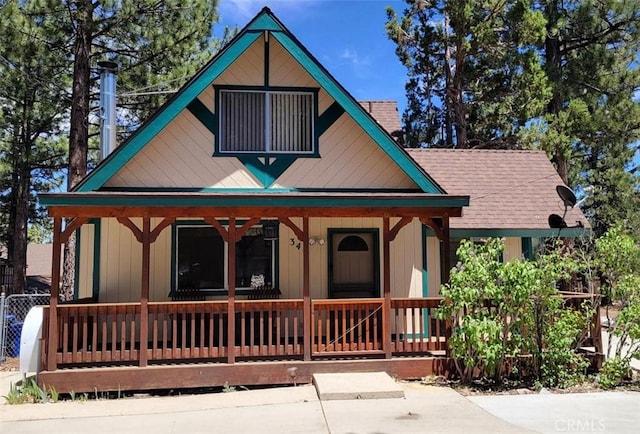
190	204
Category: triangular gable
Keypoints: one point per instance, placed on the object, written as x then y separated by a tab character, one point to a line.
263	21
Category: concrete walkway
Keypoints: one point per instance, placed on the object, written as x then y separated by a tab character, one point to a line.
299	410
276	410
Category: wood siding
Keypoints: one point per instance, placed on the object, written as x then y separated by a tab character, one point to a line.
86	255
248	69
512	248
349	158
121	263
181	154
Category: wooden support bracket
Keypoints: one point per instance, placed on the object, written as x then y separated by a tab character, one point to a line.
393	233
433	225
126	221
296	230
71	226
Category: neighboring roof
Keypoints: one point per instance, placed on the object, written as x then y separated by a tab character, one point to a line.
386	114
264	21
39	257
509	190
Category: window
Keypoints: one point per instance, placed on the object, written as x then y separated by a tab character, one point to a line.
202	258
266	122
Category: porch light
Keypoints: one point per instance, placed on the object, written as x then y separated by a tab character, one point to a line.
270	229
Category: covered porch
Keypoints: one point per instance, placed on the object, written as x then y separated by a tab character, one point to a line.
150	344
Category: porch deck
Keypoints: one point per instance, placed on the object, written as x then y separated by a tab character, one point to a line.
187	343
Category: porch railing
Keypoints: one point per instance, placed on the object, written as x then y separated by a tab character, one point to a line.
109	334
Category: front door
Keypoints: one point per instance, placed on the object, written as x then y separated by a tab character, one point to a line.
353	256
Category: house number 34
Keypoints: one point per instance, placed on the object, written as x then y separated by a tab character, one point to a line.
292	242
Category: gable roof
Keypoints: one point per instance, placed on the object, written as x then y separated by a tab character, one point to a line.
264	21
511	192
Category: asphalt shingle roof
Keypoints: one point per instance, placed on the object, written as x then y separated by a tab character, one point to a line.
508	189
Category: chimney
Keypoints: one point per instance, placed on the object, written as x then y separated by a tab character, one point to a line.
107	107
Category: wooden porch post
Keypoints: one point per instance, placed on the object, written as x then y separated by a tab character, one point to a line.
306	298
386	310
231	308
144	299
52	345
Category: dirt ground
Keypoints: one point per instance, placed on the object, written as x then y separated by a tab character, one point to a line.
10	364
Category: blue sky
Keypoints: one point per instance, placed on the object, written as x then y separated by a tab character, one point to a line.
346	36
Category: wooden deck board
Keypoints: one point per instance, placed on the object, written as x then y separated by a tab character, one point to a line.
156	377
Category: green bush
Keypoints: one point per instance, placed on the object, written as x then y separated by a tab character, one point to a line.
614	372
504	313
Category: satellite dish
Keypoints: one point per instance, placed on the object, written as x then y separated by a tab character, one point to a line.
557	222
567	196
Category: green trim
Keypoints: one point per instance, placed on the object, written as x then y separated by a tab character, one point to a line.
76	266
496	233
270	170
95	283
204	115
255	190
167	113
273	200
340	95
97	231
527	248
425	277
264	21
376	254
174	256
329	117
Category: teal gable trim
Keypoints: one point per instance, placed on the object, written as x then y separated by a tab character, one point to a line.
330	115
357	113
204	115
164	116
265	22
268	171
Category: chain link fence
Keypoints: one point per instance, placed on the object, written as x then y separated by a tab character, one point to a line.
13	311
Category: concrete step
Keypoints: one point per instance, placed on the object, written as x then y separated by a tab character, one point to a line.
356	385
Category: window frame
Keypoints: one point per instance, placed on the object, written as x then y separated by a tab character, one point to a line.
219	152
244	290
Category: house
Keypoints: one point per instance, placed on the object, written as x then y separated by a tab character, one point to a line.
260	227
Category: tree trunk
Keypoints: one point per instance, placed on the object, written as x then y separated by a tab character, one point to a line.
553	64
79	136
19	234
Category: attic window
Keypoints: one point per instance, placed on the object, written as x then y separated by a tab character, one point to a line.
266	122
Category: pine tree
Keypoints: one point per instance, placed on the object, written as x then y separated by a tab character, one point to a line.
151	40
32	110
558	75
474	76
